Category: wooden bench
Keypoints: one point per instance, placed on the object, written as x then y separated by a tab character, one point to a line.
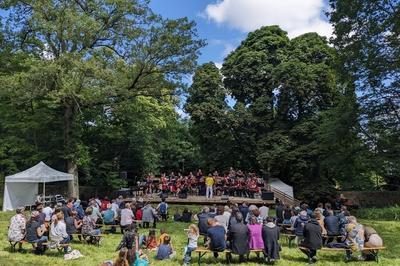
204	251
374	251
95	239
48	244
289	237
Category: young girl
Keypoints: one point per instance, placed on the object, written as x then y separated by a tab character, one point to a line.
193	235
122	258
149	242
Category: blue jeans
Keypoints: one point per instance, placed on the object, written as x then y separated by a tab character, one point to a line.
40	240
65	241
188	254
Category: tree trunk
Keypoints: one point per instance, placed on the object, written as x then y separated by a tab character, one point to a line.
72	167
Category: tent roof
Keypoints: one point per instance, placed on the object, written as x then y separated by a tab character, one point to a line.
39	173
280	185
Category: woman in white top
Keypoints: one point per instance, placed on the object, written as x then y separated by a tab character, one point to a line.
127	217
58	231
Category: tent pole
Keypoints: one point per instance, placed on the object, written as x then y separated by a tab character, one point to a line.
44	192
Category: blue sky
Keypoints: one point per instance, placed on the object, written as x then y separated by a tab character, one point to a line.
225	23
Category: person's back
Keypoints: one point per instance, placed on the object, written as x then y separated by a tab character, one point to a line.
270	234
148	214
222	220
244	210
331	225
300	223
279	212
126	217
202	224
164	251
186	216
239	236
70	225
31	230
216	234
313	235
264	210
17	228
47	212
108	216
256	241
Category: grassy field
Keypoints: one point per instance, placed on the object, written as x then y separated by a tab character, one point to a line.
389	230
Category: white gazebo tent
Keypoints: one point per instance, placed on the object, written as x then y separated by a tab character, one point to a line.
22	188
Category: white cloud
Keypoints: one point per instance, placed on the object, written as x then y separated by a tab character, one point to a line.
294	16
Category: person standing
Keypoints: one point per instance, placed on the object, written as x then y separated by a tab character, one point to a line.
209	186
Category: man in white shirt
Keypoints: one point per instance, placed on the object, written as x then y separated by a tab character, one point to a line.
48	211
114	207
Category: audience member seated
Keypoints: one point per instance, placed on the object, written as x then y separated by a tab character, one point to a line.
109	218
299	226
163	234
130	242
79	209
264	210
331	223
186	216
35	231
320	219
127	217
239	237
149	242
312	239
279	211
203	221
89	224
221	218
58	231
42	216
165	250
96	215
216	238
287	214
270	235
48	211
371	240
72	224
256	240
122	259
244	209
16	230
193	236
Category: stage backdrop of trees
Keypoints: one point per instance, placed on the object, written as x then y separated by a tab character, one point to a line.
93	87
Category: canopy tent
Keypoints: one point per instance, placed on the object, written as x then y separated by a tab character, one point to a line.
281	186
21	189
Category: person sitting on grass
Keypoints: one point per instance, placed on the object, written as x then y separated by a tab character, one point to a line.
58	231
122	259
193	236
88	224
72	224
35	232
239	237
163	234
270	234
216	237
186	216
165	250
312	233
149	242
16	230
130	242
109	217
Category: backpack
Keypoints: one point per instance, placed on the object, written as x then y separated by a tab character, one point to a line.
163	208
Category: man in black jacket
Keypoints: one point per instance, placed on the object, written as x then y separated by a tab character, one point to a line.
312	239
331	225
203	218
238	237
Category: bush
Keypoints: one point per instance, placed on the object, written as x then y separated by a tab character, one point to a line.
389	213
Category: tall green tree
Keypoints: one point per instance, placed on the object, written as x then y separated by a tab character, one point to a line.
94	53
367	37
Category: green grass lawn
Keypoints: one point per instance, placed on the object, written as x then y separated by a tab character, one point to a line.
389	230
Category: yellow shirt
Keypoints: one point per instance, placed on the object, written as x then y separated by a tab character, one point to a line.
209	181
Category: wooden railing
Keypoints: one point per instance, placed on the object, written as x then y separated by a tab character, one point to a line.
283	197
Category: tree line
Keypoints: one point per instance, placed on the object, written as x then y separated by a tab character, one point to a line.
92	87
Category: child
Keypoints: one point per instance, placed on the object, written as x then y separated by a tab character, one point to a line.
165	250
193	236
122	258
129	242
163	233
149	242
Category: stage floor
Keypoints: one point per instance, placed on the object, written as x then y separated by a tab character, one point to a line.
202	200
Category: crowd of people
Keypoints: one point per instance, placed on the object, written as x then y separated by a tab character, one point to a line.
232	183
238	227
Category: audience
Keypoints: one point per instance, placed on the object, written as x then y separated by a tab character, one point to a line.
239	237
89	224
58	231
165	251
149	216
331	223
270	235
127	217
186	216
312	233
17	228
216	236
35	233
109	217
129	241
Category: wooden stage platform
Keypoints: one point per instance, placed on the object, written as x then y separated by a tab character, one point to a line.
202	200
